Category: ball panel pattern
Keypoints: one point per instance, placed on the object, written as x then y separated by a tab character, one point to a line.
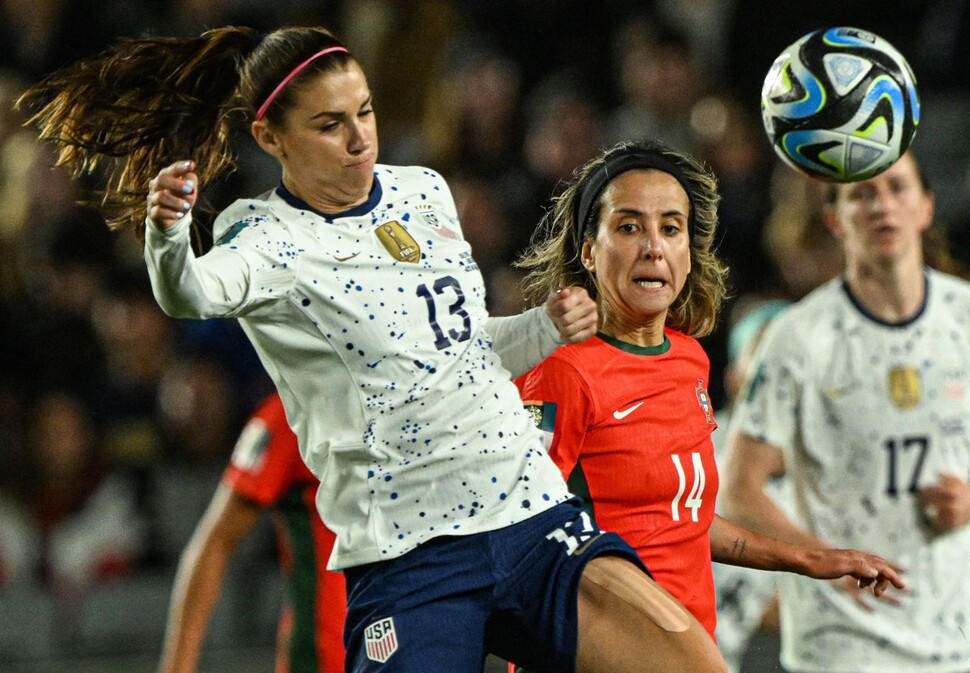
840	104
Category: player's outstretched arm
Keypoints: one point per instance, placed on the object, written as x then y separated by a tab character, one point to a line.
198	580
758	534
524	340
735	545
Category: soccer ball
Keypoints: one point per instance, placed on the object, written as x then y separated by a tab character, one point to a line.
840	104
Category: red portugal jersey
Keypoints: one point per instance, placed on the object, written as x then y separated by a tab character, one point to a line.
630	428
267	469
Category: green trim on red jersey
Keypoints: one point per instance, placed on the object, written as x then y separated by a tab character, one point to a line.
633	348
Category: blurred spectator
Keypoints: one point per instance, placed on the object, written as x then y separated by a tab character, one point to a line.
484	223
19	543
507	296
660	81
138	341
542	36
731	141
472	121
198	415
87	514
563	131
199	411
704	22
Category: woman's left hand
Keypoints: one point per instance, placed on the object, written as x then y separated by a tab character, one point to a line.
574	314
869	570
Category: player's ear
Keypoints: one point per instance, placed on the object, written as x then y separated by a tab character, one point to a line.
830	217
268	140
586	255
928	210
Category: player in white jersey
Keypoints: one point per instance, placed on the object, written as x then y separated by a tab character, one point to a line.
455	530
861	397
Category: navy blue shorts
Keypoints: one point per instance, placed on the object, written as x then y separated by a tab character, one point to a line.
447	604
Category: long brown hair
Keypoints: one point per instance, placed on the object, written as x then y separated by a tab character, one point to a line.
553	259
124	114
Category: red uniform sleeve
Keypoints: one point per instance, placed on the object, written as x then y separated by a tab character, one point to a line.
266	460
562	406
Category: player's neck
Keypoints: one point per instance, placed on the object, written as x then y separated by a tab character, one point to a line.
894	293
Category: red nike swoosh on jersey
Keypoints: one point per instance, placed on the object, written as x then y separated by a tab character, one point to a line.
621	414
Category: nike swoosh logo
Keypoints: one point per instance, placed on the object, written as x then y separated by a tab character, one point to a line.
620	415
344	259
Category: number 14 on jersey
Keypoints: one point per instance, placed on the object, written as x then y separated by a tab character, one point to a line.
695	497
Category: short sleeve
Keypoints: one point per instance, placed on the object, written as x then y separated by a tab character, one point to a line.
561	405
768	407
266	460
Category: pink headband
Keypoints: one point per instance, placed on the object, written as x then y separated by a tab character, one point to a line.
293	73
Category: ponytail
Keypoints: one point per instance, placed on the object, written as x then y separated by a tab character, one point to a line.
139	106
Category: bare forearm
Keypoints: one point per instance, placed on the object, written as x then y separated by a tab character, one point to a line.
735	545
196	591
198	580
754	510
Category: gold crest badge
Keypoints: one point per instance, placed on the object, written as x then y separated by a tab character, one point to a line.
398	242
905	387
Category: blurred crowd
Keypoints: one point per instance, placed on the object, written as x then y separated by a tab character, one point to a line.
116	421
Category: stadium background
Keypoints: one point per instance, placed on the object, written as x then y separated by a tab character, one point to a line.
116	418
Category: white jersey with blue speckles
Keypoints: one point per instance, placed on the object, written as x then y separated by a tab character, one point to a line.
866	414
372	326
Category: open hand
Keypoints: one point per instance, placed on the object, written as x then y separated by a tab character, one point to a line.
859	571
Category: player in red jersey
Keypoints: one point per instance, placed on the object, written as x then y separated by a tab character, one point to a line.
627	411
265	471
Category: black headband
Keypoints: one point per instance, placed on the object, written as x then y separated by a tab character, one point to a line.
620	161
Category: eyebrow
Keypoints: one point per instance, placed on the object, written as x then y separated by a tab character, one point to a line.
337	115
636	211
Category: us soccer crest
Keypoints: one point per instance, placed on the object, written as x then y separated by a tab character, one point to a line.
905	387
705	401
430	217
398	242
380	640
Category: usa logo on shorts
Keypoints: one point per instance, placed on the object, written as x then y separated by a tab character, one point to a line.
380	640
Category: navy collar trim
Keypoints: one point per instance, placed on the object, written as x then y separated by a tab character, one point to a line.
373	199
876	319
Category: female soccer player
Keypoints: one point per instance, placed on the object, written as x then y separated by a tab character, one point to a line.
455	531
860	399
627	411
